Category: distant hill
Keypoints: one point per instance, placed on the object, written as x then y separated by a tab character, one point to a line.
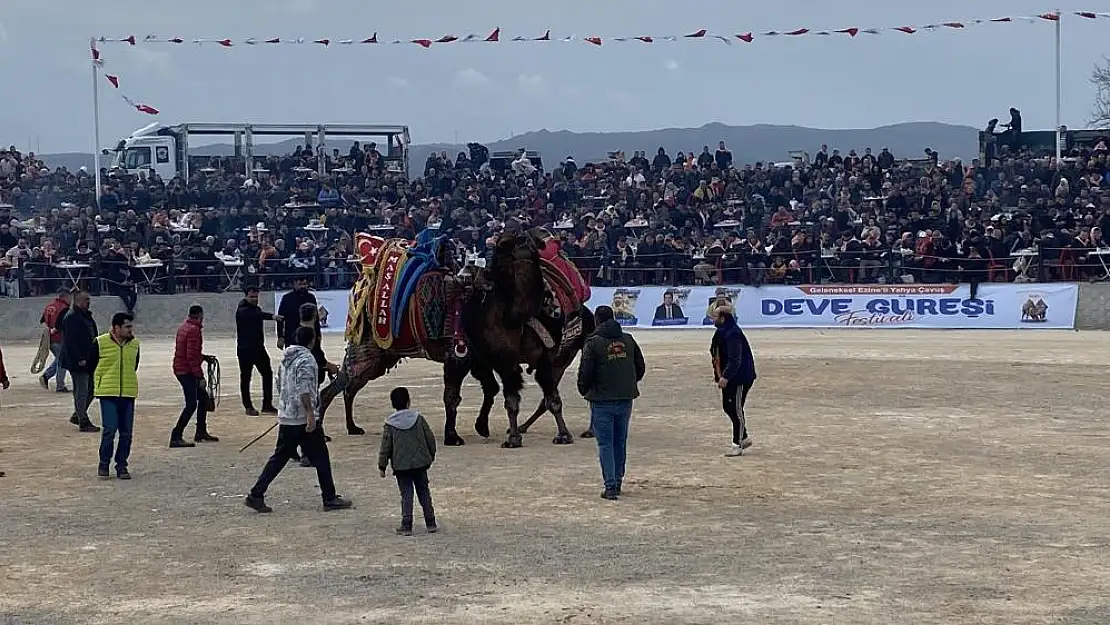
748	143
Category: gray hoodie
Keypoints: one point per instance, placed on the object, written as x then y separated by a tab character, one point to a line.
296	377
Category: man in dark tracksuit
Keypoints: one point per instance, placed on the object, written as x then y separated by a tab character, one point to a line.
290	308
734	372
78	343
250	345
310	318
609	373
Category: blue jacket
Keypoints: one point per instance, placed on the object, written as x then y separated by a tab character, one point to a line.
730	348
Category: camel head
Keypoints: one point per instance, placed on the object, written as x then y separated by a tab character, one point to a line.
516	276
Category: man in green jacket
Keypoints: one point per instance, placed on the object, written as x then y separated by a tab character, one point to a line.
115	361
609	374
410	446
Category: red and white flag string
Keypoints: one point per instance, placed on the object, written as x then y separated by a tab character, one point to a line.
496	36
113	79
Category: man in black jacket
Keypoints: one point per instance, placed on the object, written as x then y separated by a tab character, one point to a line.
250	346
290	308
78	342
609	374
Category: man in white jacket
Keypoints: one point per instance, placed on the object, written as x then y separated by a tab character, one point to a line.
298	403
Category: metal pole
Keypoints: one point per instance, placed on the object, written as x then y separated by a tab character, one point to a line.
96	125
1058	90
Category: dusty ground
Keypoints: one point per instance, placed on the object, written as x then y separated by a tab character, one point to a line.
913	477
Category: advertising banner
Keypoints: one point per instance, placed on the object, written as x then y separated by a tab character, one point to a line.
995	306
333	308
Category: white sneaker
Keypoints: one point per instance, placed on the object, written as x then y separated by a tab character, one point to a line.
735	450
746	443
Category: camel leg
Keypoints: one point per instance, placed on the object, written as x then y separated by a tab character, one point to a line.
545	376
512	382
349	394
540	410
362	364
454	372
490	388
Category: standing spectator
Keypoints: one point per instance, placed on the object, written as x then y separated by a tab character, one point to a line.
250	347
51	318
734	373
117	385
4	382
409	445
289	308
298	403
609	373
78	344
188	355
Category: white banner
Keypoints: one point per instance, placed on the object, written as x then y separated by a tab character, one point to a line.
996	306
333	308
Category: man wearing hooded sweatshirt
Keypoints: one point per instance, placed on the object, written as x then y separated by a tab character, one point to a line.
298	403
609	374
410	446
734	372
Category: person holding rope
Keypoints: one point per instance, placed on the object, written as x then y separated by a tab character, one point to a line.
188	356
298	404
309	316
734	373
51	318
250	348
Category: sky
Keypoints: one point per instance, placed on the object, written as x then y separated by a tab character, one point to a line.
485	92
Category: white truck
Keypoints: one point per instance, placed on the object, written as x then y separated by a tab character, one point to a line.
166	149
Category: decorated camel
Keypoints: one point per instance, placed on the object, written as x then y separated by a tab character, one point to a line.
412	301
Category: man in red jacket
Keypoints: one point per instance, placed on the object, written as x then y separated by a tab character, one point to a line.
51	318
188	356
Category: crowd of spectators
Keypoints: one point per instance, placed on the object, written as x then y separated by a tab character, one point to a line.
676	217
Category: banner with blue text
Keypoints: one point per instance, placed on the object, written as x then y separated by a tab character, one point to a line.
995	306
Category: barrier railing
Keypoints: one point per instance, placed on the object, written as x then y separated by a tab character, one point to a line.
795	267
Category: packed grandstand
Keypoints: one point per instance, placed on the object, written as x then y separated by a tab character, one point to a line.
675	217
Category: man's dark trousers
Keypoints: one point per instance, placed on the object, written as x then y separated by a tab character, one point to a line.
249	360
609	421
415	480
313	446
196	400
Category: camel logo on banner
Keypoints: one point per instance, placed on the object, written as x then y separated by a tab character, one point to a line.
849	306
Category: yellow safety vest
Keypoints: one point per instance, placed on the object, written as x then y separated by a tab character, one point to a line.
116	367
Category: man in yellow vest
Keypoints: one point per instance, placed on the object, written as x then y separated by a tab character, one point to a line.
116	385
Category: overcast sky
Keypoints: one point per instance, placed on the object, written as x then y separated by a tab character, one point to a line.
486	91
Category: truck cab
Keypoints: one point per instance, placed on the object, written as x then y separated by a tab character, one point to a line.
151	151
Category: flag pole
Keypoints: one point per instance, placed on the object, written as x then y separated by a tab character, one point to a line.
1059	131
96	122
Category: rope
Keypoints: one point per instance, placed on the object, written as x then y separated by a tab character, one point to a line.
213	376
43	353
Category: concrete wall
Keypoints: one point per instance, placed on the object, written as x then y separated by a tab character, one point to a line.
159	315
1094	307
155	315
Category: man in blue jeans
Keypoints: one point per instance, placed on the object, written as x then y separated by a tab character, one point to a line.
609	374
116	383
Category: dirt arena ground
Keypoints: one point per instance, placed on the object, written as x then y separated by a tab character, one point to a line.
897	476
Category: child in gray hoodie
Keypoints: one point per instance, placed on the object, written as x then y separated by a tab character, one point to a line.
410	446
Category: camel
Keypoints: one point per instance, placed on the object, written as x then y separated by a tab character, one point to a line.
500	320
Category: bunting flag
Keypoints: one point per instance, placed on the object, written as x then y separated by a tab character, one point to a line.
698	35
113	79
